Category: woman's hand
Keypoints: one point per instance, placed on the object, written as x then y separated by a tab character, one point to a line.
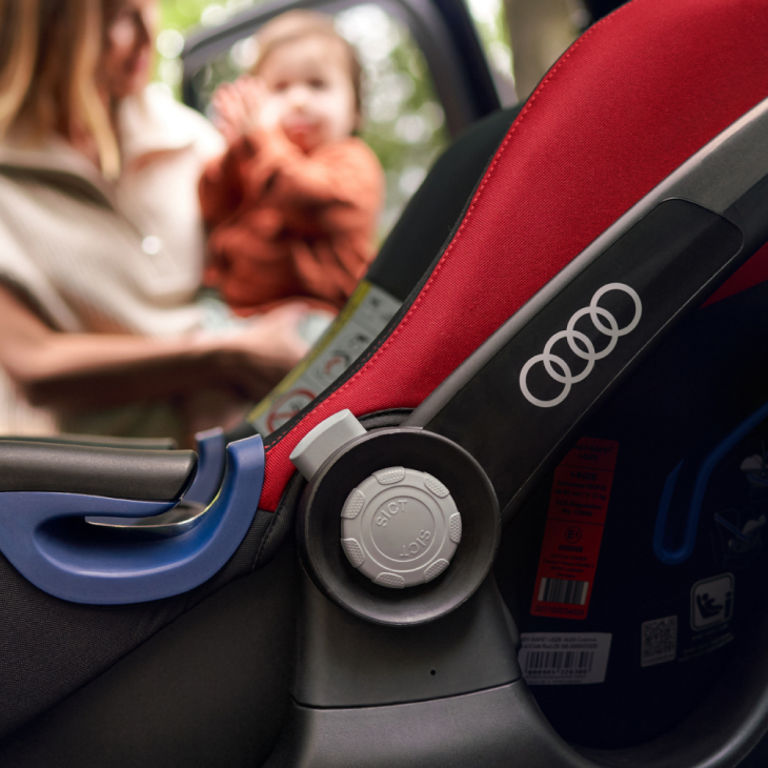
250	363
266	348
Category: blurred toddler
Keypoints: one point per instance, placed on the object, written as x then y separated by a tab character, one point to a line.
292	205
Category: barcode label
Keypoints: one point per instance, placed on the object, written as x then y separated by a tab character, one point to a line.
567	658
557	660
658	641
563	591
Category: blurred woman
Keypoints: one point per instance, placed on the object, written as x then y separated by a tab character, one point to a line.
101	241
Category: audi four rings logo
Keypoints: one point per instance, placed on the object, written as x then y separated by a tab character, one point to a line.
581	345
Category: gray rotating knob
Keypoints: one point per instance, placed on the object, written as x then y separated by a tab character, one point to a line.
400	527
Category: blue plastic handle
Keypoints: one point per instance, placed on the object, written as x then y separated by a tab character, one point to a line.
211	459
211	447
45	537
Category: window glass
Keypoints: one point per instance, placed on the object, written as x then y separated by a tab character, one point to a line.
490	21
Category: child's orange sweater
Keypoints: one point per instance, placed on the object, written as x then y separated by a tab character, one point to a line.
285	224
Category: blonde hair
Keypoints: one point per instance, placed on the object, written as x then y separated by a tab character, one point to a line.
49	52
301	23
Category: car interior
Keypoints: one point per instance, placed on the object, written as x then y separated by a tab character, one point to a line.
510	510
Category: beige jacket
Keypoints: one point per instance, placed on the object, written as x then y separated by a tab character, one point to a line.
99	257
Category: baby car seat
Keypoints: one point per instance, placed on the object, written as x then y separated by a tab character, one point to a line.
529	515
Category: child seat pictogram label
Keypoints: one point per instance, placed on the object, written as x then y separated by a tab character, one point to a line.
576	516
712	601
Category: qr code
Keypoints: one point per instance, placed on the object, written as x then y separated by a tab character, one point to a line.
658	641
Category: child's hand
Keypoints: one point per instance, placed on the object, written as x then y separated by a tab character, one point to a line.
226	111
238	107
262	110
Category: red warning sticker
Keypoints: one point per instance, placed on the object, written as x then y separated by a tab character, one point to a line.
578	505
